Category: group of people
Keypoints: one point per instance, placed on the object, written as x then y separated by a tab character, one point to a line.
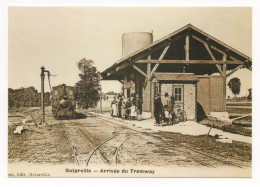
163	108
131	108
127	108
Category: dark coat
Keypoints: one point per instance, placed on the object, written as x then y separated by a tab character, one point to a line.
138	103
158	106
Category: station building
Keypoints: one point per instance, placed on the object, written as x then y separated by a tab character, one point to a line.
189	64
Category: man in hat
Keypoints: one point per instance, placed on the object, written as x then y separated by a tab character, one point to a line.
158	107
166	101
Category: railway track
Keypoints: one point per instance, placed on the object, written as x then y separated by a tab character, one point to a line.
202	158
95	149
205	155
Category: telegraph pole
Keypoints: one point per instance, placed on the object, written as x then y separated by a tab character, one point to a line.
43	71
42	95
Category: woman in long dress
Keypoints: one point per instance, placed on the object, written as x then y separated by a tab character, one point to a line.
114	105
133	113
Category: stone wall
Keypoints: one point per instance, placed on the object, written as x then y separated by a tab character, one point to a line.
190	101
166	88
189	97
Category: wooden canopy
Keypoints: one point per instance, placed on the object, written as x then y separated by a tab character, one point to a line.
176	77
188	50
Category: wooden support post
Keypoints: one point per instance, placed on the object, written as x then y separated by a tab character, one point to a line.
187	47
224	70
125	85
149	67
148	86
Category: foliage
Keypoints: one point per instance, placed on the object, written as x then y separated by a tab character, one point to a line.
26	97
234	85
87	89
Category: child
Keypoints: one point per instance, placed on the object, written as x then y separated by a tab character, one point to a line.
133	113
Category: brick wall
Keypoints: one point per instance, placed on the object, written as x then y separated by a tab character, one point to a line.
166	88
190	101
189	97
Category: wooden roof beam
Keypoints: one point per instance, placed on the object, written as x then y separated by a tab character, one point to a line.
210	53
140	71
234	70
160	58
190	62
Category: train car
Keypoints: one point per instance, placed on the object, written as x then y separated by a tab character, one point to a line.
63	102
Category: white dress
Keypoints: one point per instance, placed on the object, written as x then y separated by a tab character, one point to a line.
133	111
115	109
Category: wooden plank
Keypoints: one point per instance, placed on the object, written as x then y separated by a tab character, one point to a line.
122	66
235	59
125	85
189	62
218	50
213	58
164	52
154	68
224	57
149	67
234	70
187	48
140	71
209	51
224	85
197	38
219	69
160	58
154	48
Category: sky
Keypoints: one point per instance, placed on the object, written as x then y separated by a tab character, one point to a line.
59	37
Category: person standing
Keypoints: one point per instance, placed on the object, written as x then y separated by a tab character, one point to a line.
128	108
166	101
119	106
138	104
114	107
123	107
171	109
133	113
158	107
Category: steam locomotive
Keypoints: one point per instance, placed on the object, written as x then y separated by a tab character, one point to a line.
63	102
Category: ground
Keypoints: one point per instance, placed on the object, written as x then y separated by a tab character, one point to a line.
74	142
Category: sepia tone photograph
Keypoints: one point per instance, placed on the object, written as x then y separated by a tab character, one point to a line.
129	91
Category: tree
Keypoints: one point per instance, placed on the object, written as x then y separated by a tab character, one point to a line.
234	85
86	90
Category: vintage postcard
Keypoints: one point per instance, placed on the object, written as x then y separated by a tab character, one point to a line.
129	91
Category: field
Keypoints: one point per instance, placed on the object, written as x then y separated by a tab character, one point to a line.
74	141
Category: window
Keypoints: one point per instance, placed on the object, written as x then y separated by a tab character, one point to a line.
70	92
178	93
